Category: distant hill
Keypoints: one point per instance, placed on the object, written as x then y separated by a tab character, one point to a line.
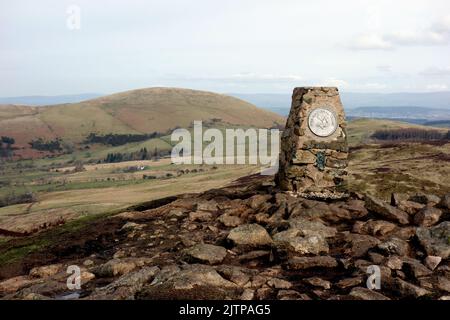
48	100
281	103
131	112
403	113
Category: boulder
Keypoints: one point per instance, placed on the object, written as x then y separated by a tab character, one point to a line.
427	216
117	267
445	202
432	262
206	253
279	283
349	282
436	240
394	246
229	220
195	281
318	282
258	200
415	268
358	244
406	289
427	199
374	227
292	240
291	295
239	276
311	228
201	216
443	283
126	286
14	284
385	210
45	271
300	263
410	207
252	235
361	293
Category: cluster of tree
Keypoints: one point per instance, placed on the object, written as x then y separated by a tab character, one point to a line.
120	139
413	134
142	154
42	145
6	149
12	199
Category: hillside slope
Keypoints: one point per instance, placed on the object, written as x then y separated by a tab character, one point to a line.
136	111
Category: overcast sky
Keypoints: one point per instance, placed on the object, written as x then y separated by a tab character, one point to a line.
239	46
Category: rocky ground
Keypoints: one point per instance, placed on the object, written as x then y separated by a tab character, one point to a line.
250	241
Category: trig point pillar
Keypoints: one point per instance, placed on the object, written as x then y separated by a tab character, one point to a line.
314	150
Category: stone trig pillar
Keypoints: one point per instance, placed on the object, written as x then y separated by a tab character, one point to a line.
314	149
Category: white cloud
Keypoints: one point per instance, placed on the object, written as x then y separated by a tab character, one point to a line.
438	33
333	82
436	72
375	86
437	87
384	68
242	77
370	42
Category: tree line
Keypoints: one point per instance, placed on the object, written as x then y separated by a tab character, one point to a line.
142	154
412	134
113	139
6	146
42	145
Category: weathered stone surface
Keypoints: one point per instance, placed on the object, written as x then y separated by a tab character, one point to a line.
292	240
445	202
210	205
410	207
248	294
374	227
237	275
394	246
385	210
428	199
117	267
427	217
443	283
45	271
406	289
129	226
229	220
201	216
291	295
206	253
14	284
359	244
311	228
258	200
436	240
299	263
194	281
279	283
250	235
415	268
367	294
432	262
127	285
318	282
312	165
349	282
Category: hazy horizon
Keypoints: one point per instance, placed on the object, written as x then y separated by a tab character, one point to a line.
64	47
